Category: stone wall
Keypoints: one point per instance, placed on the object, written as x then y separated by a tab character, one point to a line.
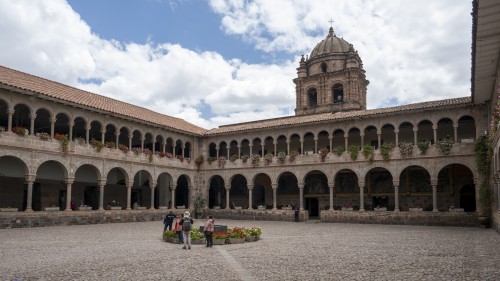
406	218
495	221
268	215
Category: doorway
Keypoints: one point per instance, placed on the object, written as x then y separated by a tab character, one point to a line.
91	197
312	205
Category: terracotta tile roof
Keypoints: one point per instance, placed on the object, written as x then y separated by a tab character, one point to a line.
316	118
60	91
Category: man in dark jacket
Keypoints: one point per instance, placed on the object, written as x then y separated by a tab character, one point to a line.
169	219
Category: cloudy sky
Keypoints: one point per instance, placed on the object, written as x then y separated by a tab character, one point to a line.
219	62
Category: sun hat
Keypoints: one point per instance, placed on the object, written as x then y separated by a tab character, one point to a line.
186	214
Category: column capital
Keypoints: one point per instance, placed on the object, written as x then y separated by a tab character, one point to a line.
52	119
88	127
227	186
361	184
274	185
152	184
300	185
32	115
10	111
69	180
29	178
395	183
415	129
101	182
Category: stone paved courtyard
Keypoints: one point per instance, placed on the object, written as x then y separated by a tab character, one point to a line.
287	251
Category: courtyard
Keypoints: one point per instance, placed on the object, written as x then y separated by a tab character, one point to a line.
286	251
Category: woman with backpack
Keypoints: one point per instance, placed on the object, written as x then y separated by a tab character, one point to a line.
186	223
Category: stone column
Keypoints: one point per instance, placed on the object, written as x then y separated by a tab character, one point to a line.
69	182
396	195
315	146
301	146
263	150
70	135
173	198
361	196
10	112
415	132
331	185
362	137
379	139
331	142
152	185
207	197
250	146
239	151
101	183
275	187
142	142
117	139
346	142
217	148
434	131
183	147
228	152
87	134
250	191
396	133
455	132
228	188
29	200
287	147
32	124
301	196
103	134
163	146
52	124
434	195
130	137
275	153
129	193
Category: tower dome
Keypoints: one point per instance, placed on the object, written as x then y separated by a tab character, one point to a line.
331	45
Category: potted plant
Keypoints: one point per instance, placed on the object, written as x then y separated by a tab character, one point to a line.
255	160
385	150
292	156
445	145
197	237
368	152
221	161
244	158
354	151
423	146
64	139
281	157
323	153
219	238
268	159
233	157
236	235
210	160
98	145
406	149
339	150
199	160
20	131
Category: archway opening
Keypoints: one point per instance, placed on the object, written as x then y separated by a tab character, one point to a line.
316	193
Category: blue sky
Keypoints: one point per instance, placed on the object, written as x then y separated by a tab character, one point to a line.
219	62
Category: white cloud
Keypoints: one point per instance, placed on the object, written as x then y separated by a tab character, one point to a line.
411	52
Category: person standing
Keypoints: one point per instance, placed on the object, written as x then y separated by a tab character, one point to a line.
209	230
178	228
186	223
169	219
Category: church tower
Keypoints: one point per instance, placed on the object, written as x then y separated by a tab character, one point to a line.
331	79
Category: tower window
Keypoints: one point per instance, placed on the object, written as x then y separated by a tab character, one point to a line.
338	93
324	67
313	98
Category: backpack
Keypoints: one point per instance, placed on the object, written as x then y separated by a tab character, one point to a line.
186	225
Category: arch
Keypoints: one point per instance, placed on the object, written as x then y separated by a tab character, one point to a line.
288	190
238	192
182	192
354	137
425	131
85	190
123	139
158	144
269	145
21	116
262	193
323	140
149	141
388	135
281	144
295	143
212	150
61	126
257	146
445	128
163	190
79	131
95	131
187	150
370	136
178	147
223	149
316	192
13	191
324	67
136	139
110	136
233	149
406	132
216	192
338	139
466	129
309	143
379	183
346	188
415	189
51	176
141	190
4	116
456	187
170	145
245	147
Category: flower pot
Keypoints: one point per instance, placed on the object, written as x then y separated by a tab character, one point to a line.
250	239
235	240
219	241
198	241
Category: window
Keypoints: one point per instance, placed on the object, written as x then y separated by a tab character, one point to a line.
324	67
313	99
338	93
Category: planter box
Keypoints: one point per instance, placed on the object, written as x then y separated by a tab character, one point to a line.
51	209
347	209
115	208
235	240
8	210
85	208
415	209
456	209
250	238
219	241
198	241
380	209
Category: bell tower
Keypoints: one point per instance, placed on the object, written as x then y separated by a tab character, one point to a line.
331	79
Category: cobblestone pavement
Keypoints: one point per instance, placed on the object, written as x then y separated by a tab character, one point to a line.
287	251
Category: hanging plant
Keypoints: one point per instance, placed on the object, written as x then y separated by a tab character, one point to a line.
221	161
21	131
292	156
123	148
483	152
406	149
244	158
110	144
64	139
368	153
423	146
445	145
354	151
44	136
323	153
150	156
339	150
96	144
233	157
281	157
255	160
385	150
199	160
268	159
210	160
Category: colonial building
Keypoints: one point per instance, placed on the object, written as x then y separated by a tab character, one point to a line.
65	149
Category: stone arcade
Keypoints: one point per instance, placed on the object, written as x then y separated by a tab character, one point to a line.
125	156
